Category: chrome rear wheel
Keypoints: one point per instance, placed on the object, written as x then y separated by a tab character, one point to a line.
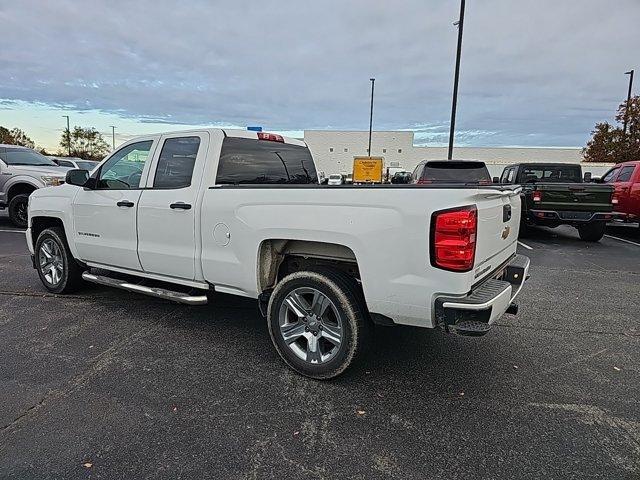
310	325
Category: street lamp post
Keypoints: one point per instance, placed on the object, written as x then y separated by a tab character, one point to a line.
68	136
373	81
454	104
626	110
113	136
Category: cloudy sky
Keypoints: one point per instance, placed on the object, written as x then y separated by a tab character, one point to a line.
534	72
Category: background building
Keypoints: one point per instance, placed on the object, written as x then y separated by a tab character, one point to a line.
333	152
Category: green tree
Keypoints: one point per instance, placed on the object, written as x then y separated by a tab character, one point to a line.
609	143
86	143
5	136
20	138
15	136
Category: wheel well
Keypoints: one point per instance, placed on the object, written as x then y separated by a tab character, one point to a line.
18	189
279	257
38	224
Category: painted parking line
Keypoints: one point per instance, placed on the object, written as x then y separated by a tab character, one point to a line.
11	231
524	245
623	240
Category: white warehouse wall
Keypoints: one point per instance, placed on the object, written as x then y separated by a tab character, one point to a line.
333	152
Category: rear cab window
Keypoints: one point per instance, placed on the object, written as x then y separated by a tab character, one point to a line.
452	171
551	174
247	161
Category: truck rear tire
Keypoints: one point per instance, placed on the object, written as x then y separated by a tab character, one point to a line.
58	270
318	322
18	210
592	232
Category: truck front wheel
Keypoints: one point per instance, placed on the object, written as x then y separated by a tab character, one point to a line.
18	210
318	322
57	268
592	232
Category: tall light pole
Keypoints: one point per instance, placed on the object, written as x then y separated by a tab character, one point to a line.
68	136
626	110
113	136
373	81
454	104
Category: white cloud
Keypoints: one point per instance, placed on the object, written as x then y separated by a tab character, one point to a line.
541	67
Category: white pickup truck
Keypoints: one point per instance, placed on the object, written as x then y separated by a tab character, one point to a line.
182	215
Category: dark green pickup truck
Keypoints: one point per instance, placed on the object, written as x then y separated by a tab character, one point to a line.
554	194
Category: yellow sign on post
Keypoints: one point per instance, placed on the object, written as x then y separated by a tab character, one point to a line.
367	169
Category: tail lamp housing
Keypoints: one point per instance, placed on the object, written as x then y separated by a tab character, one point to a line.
537	196
453	238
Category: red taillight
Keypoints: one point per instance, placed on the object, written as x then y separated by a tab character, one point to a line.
614	199
272	137
537	196
453	238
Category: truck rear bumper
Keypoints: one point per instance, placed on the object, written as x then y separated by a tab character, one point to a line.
473	314
569	217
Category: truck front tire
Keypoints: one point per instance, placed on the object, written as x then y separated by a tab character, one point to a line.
18	210
592	232
318	322
58	271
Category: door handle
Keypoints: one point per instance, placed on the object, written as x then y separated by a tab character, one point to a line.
125	203
180	206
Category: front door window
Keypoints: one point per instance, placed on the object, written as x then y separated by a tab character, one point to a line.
123	170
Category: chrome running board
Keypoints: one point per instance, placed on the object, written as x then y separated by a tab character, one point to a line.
151	291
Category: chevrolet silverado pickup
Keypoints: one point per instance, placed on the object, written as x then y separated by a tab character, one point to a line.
554	194
192	213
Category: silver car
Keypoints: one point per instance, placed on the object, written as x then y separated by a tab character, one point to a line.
23	170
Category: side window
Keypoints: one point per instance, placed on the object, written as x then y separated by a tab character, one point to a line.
608	177
510	175
507	175
176	162
124	169
64	163
625	173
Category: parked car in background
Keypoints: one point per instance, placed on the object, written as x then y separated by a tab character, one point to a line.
554	194
451	171
75	162
213	211
335	179
22	171
625	179
401	177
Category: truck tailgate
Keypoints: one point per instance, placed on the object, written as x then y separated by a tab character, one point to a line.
498	223
576	197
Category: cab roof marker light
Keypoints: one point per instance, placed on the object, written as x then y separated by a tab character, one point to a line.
272	137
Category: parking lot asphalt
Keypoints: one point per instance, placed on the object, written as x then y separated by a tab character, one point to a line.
107	384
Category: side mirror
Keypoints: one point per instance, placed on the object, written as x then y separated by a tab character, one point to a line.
77	177
587	177
496	179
